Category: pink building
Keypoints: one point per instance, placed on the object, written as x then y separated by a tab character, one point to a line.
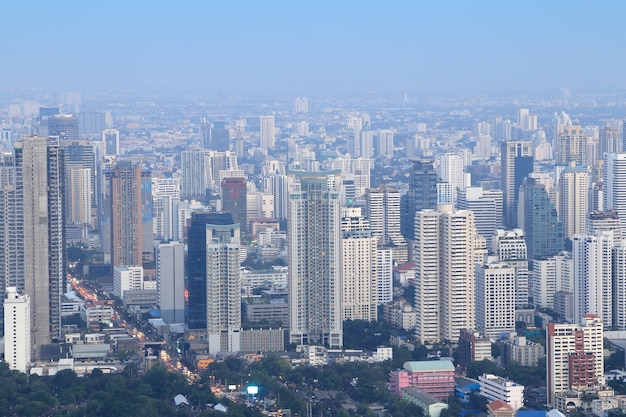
433	377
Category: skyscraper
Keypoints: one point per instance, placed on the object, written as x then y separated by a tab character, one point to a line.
234	201
170	265
63	126
422	194
574	200
517	163
40	182
610	140
359	270
130	202
220	137
495	299
197	265
593	283
111	139
315	260
450	168
444	255
544	233
223	287
196	173
614	178
382	208
510	248
487	208
384	146
572	146
267	132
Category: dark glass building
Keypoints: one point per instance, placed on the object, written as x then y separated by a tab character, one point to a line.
422	195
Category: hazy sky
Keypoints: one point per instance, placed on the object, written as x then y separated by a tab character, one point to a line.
306	46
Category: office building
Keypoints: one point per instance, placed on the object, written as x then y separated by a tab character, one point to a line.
422	194
574	357
571	146
517	162
314	258
487	208
359	270
40	181
574	200
444	248
234	200
63	126
495	299
111	139
165	204
170	264
267	132
128	214
592	278
544	233
219	137
17	330
451	169
197	237
614	189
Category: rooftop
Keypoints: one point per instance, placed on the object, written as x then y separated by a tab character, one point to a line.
429	366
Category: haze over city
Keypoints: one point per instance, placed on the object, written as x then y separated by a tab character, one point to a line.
314	47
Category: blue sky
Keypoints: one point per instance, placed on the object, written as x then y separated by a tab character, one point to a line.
307	46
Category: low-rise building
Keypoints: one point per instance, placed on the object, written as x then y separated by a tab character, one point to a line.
522	351
493	388
97	312
433	377
399	313
431	406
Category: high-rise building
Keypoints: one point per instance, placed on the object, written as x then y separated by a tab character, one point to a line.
267	132
571	146
610	140
574	356
592	278
444	248
111	139
301	105
11	229
422	194
544	233
234	201
549	276
315	259
574	200
63	126
614	179
17	330
40	181
367	144
219	137
165	202
517	162
451	169
385	275
495	299
196	173
223	287
487	208
382	208
170	263
604	221
384	145
619	285
359	270
129	202
277	185
510	248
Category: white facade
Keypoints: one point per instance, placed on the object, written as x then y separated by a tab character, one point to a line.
619	281
487	208
127	278
81	189
614	178
385	275
495	299
445	243
593	286
385	143
574	200
564	341
315	281
268	138
382	208
549	276
510	247
497	388
17	329
451	169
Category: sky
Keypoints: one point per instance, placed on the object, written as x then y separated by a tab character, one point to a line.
302	47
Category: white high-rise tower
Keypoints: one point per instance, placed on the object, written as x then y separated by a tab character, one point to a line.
17	328
267	132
